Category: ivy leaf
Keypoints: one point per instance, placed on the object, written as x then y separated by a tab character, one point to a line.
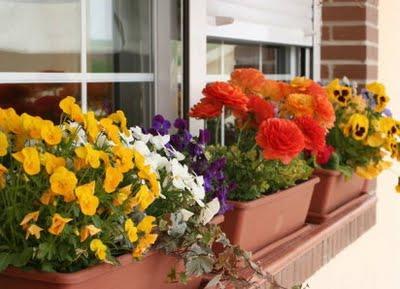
178	226
214	282
5	261
198	266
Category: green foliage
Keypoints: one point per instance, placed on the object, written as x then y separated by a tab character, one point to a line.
254	176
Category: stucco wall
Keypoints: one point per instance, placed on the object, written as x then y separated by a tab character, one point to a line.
373	262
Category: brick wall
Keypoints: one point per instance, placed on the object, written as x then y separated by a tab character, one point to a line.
349	44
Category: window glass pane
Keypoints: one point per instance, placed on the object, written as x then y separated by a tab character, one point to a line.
214	58
39	99
275	60
119	36
240	56
40	36
135	99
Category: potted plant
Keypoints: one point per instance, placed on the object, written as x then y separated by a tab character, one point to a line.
272	124
75	199
363	135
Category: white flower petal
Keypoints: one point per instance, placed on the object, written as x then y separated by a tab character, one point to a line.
210	210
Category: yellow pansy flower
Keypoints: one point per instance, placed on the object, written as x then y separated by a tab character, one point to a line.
34	216
29	157
73	110
143	198
375	140
131	230
89	154
119	118
99	249
51	134
89	230
124	159
11	121
398	186
338	93
47	197
144	244
52	162
372	170
58	224
3	171
379	93
388	126
92	126
357	126
112	179
33	230
32	125
3	144
111	130
393	147
146	224
88	202
122	195
63	183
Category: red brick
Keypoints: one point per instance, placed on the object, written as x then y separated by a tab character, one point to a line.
371	2
326	33
345	13
355	33
324	71
351	52
361	71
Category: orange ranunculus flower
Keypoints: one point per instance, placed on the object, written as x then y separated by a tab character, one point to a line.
298	104
259	110
280	139
250	80
275	90
314	134
58	224
206	109
224	93
324	113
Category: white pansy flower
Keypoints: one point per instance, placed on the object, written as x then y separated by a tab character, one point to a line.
209	211
180	174
171	152
80	136
159	141
139	135
142	148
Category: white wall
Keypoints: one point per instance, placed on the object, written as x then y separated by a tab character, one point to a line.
373	262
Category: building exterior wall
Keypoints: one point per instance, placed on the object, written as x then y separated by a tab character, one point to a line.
350	40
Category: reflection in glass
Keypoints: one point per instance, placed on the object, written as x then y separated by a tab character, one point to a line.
119	36
135	99
40	36
240	56
275	60
38	99
214	58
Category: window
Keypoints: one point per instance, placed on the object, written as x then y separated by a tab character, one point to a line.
275	61
107	53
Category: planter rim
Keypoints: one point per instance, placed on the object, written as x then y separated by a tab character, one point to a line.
87	273
327	172
268	198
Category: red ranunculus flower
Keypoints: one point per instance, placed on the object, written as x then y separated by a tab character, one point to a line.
314	134
258	110
280	139
325	154
226	94
206	109
250	80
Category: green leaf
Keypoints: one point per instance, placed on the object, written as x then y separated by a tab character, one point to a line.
22	258
198	266
5	260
